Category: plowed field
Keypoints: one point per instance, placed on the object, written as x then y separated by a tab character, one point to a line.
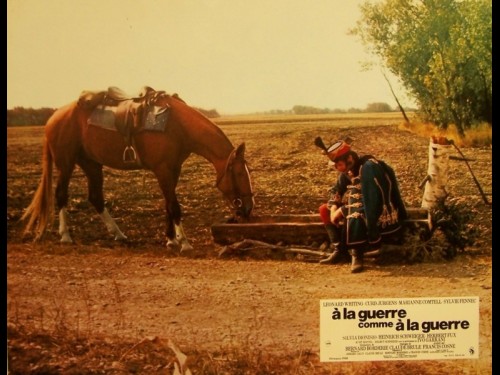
100	306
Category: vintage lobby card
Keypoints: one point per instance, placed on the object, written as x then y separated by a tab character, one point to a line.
388	329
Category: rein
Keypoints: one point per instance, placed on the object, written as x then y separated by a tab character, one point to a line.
238	201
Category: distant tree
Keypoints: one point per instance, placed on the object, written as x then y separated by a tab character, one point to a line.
338	110
354	110
441	50
20	116
308	110
211	113
279	112
378	107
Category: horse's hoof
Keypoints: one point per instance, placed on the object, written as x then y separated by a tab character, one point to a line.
186	248
121	237
66	239
172	245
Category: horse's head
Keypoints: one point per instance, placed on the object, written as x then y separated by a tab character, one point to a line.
235	183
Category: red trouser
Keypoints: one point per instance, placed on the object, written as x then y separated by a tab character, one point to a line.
324	214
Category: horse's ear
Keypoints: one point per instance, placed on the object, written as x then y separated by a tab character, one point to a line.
240	151
237	153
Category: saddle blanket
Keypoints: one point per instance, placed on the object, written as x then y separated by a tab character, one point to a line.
105	116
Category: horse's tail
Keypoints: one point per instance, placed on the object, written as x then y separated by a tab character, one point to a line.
41	209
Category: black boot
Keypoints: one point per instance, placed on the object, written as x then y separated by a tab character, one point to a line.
357	260
334	237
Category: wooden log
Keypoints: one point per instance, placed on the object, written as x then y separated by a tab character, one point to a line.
291	229
260	246
252	245
288	232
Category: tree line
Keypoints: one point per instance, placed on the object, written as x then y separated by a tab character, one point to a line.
21	116
371	107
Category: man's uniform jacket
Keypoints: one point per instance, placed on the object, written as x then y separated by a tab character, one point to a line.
371	204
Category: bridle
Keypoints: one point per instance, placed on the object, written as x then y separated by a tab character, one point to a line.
237	202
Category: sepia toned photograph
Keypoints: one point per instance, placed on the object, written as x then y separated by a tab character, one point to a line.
249	187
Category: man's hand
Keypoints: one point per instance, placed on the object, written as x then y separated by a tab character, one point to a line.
333	208
336	215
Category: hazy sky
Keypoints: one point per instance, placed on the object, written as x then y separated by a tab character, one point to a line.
235	56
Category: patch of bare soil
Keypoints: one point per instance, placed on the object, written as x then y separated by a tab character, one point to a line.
100	306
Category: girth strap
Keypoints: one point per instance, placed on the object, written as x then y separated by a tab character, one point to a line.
128	117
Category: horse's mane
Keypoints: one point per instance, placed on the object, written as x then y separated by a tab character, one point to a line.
213	126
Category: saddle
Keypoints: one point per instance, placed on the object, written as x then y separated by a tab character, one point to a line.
116	110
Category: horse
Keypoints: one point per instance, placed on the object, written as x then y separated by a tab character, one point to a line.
72	138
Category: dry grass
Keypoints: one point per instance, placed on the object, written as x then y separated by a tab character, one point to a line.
479	136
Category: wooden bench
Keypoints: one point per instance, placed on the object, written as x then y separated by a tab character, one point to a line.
294	228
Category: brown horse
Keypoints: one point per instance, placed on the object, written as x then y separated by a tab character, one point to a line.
71	139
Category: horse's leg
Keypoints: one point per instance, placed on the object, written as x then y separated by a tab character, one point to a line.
181	237
167	180
93	171
63	226
175	230
62	201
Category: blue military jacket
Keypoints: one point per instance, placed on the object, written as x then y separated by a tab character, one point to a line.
371	203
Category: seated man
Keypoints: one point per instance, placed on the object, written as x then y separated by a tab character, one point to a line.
364	204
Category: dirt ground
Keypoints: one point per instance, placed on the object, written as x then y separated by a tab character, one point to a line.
100	306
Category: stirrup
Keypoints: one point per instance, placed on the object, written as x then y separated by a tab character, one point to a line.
129	155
